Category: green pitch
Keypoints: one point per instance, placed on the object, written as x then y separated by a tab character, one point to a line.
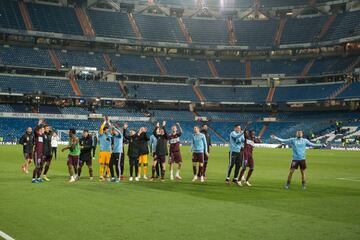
328	209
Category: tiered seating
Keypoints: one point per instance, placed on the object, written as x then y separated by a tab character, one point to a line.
6	108
83	59
27	57
134	64
304	92
186	67
278	66
172	115
111	24
345	25
352	91
207	31
331	65
32	85
10	16
49	109
232	116
159	28
302	30
255	33
280	3
119	112
230	68
161	91
215	93
56	19
74	110
22	108
94	88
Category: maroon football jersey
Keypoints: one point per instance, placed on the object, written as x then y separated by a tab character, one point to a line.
248	147
39	144
174	140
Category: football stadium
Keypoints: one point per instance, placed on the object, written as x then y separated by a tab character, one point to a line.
179	119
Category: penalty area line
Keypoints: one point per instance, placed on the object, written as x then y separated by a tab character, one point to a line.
349	179
5	236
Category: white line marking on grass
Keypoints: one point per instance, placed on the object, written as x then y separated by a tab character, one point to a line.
5	236
349	179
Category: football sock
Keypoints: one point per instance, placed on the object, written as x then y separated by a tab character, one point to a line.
194	170
91	172
153	169
101	171
145	169
249	174
46	169
204	171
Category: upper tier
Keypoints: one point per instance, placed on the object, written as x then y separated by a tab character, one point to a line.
158	28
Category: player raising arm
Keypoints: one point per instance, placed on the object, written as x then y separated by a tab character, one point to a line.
175	154
235	155
160	150
105	148
298	145
198	149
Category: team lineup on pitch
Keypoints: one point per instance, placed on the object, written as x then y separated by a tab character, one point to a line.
40	147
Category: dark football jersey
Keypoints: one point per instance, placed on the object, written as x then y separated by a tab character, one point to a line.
174	140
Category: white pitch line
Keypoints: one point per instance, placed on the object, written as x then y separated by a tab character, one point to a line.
349	179
5	236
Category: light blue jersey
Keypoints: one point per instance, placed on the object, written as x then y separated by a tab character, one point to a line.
105	142
118	142
236	141
152	143
198	144
298	146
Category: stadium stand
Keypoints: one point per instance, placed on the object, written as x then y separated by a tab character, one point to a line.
352	91
248	34
74	110
93	88
10	15
6	108
297	30
304	92
186	67
49	18
28	57
33	85
82	59
49	109
160	91
230	68
289	67
111	24
150	30
209	31
345	25
215	93
119	112
134	64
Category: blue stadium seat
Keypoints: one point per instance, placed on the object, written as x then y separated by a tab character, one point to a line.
302	30
32	85
56	19
159	28
156	91
186	67
81	59
305	92
207	31
345	25
248	33
94	88
28	57
10	15
111	24
134	64
234	93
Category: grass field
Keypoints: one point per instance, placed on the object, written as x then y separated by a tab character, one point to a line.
328	209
